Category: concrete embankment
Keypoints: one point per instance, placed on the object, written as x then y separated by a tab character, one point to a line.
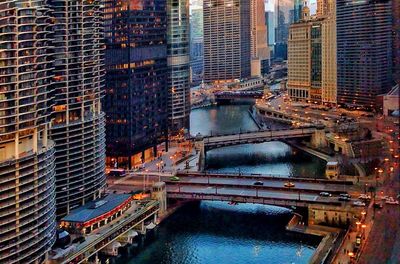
330	237
308	150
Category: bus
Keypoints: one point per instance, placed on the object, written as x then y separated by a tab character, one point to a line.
117	172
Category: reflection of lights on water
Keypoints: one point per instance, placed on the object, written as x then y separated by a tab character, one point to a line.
299	251
256	250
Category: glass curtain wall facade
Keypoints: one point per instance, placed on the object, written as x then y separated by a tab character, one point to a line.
27	183
78	125
136	100
178	65
364	51
196	44
316	63
396	40
298	9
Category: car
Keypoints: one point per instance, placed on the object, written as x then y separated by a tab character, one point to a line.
345	195
174	178
258	183
391	201
289	184
364	197
326	194
359	203
344	198
358	240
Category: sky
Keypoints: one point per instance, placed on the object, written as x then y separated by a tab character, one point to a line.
269	5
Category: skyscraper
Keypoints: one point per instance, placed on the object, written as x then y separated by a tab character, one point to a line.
259	45
226	26
364	45
136	100
178	65
78	126
269	22
299	61
196	44
298	7
329	55
27	188
312	58
396	40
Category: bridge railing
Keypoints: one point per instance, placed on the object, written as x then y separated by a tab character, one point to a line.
256	187
240	131
259	176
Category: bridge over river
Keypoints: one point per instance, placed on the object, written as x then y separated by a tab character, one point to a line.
242	188
316	135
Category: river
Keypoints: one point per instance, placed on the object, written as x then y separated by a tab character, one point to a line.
218	233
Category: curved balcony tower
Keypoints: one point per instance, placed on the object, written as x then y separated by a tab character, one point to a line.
78	124
27	167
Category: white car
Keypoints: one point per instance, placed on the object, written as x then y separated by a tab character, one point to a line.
358	203
391	201
326	194
364	197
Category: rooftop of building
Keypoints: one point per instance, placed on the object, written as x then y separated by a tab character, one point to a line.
96	208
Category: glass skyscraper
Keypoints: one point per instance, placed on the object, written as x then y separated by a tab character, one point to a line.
178	65
298	9
136	100
364	51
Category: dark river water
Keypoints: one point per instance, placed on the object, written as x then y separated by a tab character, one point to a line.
218	233
266	158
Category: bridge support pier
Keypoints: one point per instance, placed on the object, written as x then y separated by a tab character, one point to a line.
318	139
159	193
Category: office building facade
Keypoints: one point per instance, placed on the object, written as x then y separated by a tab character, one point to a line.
298	9
364	51
178	41
299	61
27	168
312	75
196	44
226	27
78	120
329	56
136	100
396	40
258	41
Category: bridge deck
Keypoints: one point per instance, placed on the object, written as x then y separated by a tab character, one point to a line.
257	136
225	187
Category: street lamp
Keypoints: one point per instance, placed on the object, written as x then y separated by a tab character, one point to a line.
358	223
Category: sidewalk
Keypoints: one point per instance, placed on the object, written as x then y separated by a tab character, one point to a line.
171	162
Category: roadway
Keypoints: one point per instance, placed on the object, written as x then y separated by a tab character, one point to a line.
277	183
246	192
